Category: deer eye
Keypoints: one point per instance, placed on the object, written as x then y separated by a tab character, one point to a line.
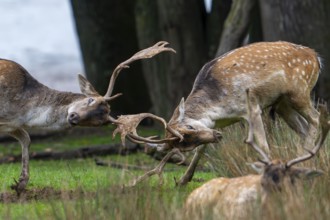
190	127
275	178
90	101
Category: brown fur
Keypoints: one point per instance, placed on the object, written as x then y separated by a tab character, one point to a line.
280	75
26	104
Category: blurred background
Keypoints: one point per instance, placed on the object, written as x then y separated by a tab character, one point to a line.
40	35
56	39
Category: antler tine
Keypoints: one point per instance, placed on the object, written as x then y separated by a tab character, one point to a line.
134	136
127	124
253	113
175	133
143	54
149	139
325	126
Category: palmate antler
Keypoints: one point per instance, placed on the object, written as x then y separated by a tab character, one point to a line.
127	125
143	54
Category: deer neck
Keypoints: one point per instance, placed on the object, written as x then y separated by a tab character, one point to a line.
50	110
199	108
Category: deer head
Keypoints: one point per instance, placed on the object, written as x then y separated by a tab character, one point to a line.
94	109
180	133
194	132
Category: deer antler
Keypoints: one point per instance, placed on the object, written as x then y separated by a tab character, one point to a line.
127	124
325	126
254	111
143	54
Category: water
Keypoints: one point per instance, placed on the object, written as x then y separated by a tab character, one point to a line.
40	35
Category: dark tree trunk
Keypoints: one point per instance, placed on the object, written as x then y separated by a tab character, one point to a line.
236	25
304	22
215	23
107	35
179	22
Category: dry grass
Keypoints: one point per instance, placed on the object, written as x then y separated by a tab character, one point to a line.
312	200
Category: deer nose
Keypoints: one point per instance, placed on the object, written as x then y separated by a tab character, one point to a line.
73	118
217	135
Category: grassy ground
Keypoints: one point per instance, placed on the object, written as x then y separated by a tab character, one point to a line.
78	189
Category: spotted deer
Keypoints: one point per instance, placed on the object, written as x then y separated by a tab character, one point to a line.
280	75
232	197
26	104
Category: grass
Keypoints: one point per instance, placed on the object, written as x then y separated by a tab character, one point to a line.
87	191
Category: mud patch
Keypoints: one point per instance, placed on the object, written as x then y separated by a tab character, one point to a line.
47	193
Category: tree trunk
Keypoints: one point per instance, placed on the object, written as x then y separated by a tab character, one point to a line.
304	22
236	25
107	35
180	23
215	20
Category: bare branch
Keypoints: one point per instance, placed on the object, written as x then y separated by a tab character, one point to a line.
158	169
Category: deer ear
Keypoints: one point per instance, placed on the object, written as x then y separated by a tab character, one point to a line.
306	173
181	110
86	87
257	166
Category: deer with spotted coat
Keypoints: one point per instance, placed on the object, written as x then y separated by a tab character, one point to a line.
26	103
280	75
233	197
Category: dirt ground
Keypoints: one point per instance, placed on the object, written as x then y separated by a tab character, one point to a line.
37	194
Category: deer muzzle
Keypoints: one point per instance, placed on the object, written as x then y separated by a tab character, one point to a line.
73	118
217	135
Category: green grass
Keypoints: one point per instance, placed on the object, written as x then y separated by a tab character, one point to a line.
108	200
88	191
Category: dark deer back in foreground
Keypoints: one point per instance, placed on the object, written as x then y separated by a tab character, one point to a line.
26	103
231	197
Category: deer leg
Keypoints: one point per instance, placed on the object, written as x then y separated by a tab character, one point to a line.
293	119
188	175
24	139
311	115
259	130
157	170
305	108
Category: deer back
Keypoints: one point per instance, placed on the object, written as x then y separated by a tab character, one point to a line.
271	69
226	197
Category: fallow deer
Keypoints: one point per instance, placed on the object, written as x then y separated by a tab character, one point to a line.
279	75
232	197
26	103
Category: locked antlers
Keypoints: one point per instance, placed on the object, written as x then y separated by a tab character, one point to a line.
143	54
127	125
